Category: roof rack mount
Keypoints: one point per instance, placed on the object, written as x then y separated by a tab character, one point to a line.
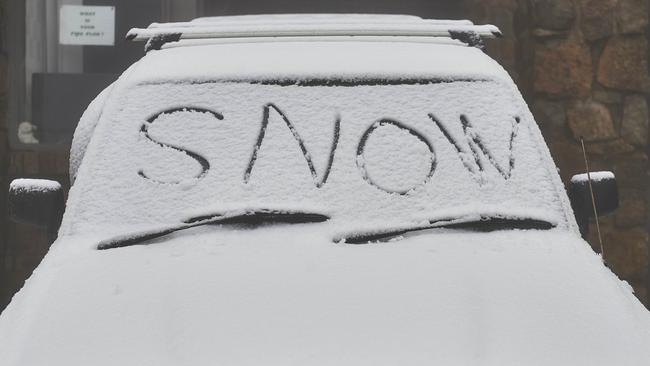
159	33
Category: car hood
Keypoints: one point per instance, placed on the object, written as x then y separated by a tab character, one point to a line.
276	296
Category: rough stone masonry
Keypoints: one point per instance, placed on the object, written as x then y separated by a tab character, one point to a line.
582	66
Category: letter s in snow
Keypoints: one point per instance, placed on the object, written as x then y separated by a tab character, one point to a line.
144	130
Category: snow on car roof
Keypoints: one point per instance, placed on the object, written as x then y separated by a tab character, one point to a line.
323	21
303	59
320	18
311	25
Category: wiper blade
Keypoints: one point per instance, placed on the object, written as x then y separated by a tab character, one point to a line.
482	224
263	216
249	217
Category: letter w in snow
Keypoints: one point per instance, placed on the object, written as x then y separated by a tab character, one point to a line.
473	152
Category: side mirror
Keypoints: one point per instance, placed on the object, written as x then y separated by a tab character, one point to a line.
605	197
36	201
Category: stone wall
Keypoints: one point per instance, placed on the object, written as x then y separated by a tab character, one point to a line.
582	66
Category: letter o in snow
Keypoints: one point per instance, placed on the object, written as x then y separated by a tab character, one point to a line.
395	158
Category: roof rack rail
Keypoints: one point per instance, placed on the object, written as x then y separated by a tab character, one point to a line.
157	34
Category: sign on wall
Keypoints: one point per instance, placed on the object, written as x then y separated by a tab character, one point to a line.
87	25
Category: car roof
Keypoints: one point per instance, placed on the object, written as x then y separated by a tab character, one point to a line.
315	46
311	25
320	18
317	58
322	21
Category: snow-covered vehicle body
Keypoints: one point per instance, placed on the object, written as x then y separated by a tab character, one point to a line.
372	200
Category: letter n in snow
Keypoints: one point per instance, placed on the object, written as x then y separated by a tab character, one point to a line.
318	181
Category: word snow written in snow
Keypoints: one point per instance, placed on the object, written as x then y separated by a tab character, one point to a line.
470	148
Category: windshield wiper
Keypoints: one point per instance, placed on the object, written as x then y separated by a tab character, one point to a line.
481	224
248	217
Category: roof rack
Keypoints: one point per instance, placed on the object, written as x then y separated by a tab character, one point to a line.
312	25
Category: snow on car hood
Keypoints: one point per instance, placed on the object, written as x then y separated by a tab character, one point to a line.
282	295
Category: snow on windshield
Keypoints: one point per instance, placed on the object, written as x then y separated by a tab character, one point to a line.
361	153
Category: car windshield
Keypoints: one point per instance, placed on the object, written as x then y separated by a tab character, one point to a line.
364	153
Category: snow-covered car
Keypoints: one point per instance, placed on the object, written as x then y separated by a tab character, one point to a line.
317	190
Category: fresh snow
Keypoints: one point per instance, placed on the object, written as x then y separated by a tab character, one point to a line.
394	160
84	131
179	135
212	30
34	185
309	25
320	59
394	175
314	18
286	295
595	177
